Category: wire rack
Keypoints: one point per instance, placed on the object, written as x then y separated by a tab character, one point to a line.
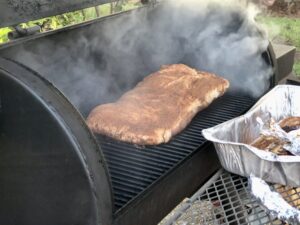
225	199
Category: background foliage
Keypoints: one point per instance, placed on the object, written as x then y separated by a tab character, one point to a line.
66	19
283	28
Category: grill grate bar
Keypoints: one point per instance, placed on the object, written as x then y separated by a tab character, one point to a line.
172	151
185	141
159	161
193	136
125	185
118	204
145	164
120	200
128	194
133	176
165	157
118	180
183	147
133	169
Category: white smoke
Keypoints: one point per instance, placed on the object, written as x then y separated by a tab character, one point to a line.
100	63
217	36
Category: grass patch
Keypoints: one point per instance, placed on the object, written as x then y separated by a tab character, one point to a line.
297	68
283	27
284	30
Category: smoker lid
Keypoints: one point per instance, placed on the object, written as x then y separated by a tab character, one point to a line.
52	169
13	12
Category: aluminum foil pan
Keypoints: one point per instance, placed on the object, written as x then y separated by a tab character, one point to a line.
232	139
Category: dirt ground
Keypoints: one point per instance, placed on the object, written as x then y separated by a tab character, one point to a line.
290	8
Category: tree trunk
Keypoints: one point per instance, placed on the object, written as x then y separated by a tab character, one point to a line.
111	8
97	9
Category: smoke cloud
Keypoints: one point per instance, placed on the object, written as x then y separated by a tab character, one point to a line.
98	64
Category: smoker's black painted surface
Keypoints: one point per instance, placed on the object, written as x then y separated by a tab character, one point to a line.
13	12
146	183
48	156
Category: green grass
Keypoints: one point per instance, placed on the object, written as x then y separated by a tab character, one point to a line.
284	29
297	68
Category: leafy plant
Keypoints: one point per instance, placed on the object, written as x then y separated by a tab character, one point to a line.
3	34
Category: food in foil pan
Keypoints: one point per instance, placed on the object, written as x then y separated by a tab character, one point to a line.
290	123
273	201
271	144
265	141
290	194
282	138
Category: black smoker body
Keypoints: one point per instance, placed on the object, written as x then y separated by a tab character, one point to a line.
53	170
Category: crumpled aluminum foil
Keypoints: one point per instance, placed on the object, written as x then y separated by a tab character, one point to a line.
273	201
291	138
232	139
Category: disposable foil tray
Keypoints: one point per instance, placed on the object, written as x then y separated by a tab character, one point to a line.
232	139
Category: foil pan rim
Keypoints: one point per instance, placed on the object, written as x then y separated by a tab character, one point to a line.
268	156
270	93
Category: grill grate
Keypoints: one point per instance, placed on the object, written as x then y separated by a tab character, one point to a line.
133	169
226	200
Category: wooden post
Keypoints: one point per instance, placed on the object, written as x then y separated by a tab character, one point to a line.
97	9
83	14
111	7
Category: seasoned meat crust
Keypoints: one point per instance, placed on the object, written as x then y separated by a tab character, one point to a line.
159	107
270	144
290	123
273	144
